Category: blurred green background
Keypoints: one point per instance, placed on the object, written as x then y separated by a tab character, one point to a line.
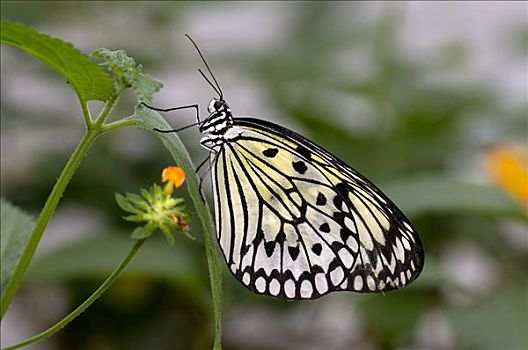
410	94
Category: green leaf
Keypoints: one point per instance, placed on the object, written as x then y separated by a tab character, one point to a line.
419	195
134	198
89	81
124	203
146	195
134	218
168	235
15	228
137	201
145	86
129	74
123	67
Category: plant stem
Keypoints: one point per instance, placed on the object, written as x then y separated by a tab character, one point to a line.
118	124
71	316
215	275
149	120
109	105
86	113
94	129
44	218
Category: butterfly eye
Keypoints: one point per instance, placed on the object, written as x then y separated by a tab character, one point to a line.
217	105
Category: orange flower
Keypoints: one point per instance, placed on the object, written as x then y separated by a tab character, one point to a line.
174	176
507	166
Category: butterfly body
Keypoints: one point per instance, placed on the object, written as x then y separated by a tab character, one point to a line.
295	222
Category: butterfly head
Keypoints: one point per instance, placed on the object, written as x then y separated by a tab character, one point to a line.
220	118
217	105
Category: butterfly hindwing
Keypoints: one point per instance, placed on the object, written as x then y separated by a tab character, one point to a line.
295	222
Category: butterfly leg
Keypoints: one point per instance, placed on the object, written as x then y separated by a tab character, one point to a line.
201	177
207	171
195	106
201	165
200	188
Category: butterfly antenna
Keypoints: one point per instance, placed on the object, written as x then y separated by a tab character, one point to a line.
209	81
219	90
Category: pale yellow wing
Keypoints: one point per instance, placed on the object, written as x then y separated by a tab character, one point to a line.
295	222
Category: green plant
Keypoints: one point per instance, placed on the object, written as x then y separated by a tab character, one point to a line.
20	237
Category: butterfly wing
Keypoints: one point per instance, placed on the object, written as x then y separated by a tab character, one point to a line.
295	222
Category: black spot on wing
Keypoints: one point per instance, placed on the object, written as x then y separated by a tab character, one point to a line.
303	151
317	249
294	252
269	247
270	152
299	166
324	227
321	199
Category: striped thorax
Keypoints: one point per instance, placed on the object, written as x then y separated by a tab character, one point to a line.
216	125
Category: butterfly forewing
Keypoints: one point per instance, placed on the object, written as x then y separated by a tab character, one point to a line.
295	222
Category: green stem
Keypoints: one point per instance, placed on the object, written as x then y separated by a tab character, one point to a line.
118	124
149	120
71	316
109	105
44	218
94	129
215	275
86	113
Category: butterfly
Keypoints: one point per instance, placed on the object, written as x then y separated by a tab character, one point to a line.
293	221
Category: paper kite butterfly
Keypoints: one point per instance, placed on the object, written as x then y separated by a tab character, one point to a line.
295	222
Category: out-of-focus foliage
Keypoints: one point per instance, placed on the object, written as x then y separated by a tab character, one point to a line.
156	260
337	73
447	196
